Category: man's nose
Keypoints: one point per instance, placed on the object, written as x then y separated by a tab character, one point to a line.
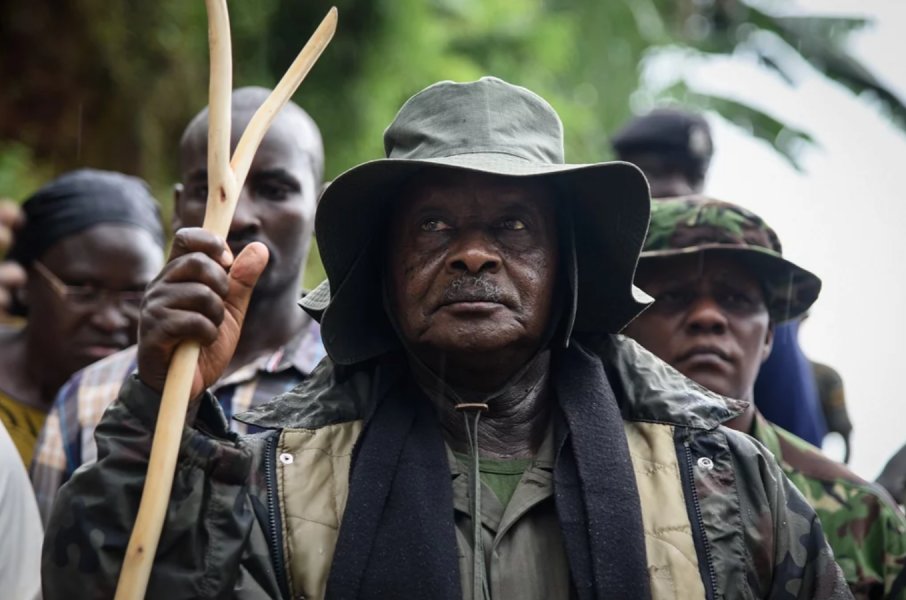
109	316
246	216
706	316
474	253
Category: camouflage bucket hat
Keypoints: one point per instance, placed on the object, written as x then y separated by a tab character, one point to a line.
691	224
487	126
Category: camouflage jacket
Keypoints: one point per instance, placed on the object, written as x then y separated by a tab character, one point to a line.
748	532
866	531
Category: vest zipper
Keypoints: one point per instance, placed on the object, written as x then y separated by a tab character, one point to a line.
273	519
698	523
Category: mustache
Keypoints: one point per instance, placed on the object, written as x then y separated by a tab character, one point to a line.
472	288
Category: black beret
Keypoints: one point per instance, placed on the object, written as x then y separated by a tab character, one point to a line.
677	135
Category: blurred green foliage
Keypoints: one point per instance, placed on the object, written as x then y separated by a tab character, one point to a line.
111	83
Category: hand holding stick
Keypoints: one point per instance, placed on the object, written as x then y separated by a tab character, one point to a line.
225	180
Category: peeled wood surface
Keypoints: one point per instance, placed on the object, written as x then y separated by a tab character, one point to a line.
225	180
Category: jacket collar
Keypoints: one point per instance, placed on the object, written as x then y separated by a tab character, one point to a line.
647	388
651	390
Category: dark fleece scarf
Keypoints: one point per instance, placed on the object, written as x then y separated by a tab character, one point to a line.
398	537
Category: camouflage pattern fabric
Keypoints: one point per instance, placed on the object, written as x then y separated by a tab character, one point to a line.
755	535
863	526
833	401
693	224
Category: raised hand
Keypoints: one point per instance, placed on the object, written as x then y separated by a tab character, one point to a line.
201	294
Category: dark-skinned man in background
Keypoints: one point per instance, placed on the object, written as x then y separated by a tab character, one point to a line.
476	432
721	285
91	242
280	344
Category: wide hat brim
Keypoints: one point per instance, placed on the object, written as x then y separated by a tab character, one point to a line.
610	210
789	289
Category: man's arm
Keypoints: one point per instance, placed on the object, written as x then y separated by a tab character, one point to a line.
201	294
207	525
20	527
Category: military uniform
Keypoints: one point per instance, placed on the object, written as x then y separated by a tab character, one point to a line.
863	526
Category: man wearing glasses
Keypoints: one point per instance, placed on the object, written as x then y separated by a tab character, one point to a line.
91	242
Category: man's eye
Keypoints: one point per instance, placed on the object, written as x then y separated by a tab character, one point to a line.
272	191
513	224
434	225
199	192
674	298
737	300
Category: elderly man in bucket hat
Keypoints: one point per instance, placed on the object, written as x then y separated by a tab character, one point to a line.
721	284
476	431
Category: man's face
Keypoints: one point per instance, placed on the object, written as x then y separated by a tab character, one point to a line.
74	328
709	321
665	179
473	263
276	206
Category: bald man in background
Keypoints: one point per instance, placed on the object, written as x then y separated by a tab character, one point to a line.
279	345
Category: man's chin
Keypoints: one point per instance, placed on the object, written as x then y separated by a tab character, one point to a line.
710	380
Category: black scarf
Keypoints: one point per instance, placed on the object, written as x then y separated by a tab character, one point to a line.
397	539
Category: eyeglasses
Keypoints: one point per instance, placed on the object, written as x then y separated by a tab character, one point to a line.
86	297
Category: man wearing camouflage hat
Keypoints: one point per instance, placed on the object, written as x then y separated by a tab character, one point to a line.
720	285
476	431
673	147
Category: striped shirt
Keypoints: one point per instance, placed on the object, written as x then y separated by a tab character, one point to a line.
67	439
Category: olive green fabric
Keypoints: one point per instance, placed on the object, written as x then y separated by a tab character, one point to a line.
311	466
500	476
222	530
865	529
525	556
672	559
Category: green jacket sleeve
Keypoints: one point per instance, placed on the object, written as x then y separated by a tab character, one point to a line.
208	523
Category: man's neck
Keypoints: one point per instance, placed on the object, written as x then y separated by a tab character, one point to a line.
271	322
517	418
744	421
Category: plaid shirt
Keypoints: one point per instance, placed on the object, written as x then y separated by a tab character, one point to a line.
67	440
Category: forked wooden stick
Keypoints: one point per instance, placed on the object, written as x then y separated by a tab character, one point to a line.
225	180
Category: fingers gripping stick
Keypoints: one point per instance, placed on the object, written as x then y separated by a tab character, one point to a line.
225	180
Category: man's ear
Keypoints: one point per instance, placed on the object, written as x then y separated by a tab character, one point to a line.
768	342
176	222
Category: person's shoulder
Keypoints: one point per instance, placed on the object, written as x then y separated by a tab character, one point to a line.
808	460
117	366
96	386
333	393
648	389
832	484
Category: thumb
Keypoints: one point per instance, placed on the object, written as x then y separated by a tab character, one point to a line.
244	273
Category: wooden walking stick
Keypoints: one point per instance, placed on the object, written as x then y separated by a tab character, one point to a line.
225	180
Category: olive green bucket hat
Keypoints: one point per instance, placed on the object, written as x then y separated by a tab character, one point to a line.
698	224
487	126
